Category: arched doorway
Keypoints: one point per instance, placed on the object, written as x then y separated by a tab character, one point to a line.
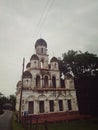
37	81
54	82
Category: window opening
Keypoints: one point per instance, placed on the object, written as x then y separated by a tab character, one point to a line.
51	104
69	104
41	106
54	82
31	107
38	81
60	105
46	81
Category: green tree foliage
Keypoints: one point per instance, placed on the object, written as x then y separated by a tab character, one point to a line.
69	57
85	69
4	100
13	101
80	63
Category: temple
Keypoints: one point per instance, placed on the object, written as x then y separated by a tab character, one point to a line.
42	90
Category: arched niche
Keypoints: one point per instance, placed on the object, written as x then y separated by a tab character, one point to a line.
46	82
38	81
54	81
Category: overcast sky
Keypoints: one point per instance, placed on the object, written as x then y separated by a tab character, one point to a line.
64	24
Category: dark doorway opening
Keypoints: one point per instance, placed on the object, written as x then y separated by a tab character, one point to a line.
51	104
69	104
31	107
41	106
60	105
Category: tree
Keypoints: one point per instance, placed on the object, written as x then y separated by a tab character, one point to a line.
0	94
81	63
85	68
12	100
4	100
1	101
69	57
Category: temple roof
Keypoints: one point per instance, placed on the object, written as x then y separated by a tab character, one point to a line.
40	42
28	65
34	57
54	59
27	74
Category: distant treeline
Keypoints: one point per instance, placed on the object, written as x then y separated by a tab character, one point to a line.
7	102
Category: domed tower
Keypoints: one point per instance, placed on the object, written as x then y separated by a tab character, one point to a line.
27	78
41	52
54	63
28	66
34	61
69	81
55	73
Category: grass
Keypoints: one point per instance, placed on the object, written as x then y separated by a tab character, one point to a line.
15	124
90	124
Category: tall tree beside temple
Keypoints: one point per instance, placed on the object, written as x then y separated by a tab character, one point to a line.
85	69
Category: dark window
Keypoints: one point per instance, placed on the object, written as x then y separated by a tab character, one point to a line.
41	50
60	105
27	82
55	65
54	82
38	81
46	81
69	104
35	64
31	107
41	106
51	103
62	83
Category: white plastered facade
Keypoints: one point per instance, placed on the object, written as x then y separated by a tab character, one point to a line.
42	91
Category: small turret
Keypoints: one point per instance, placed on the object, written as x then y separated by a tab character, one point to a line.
69	81
54	63
27	78
41	47
34	61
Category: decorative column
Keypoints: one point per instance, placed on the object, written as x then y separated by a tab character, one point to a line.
64	105
46	102
56	106
49	83
35	106
41	83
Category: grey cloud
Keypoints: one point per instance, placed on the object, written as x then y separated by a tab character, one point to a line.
69	24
